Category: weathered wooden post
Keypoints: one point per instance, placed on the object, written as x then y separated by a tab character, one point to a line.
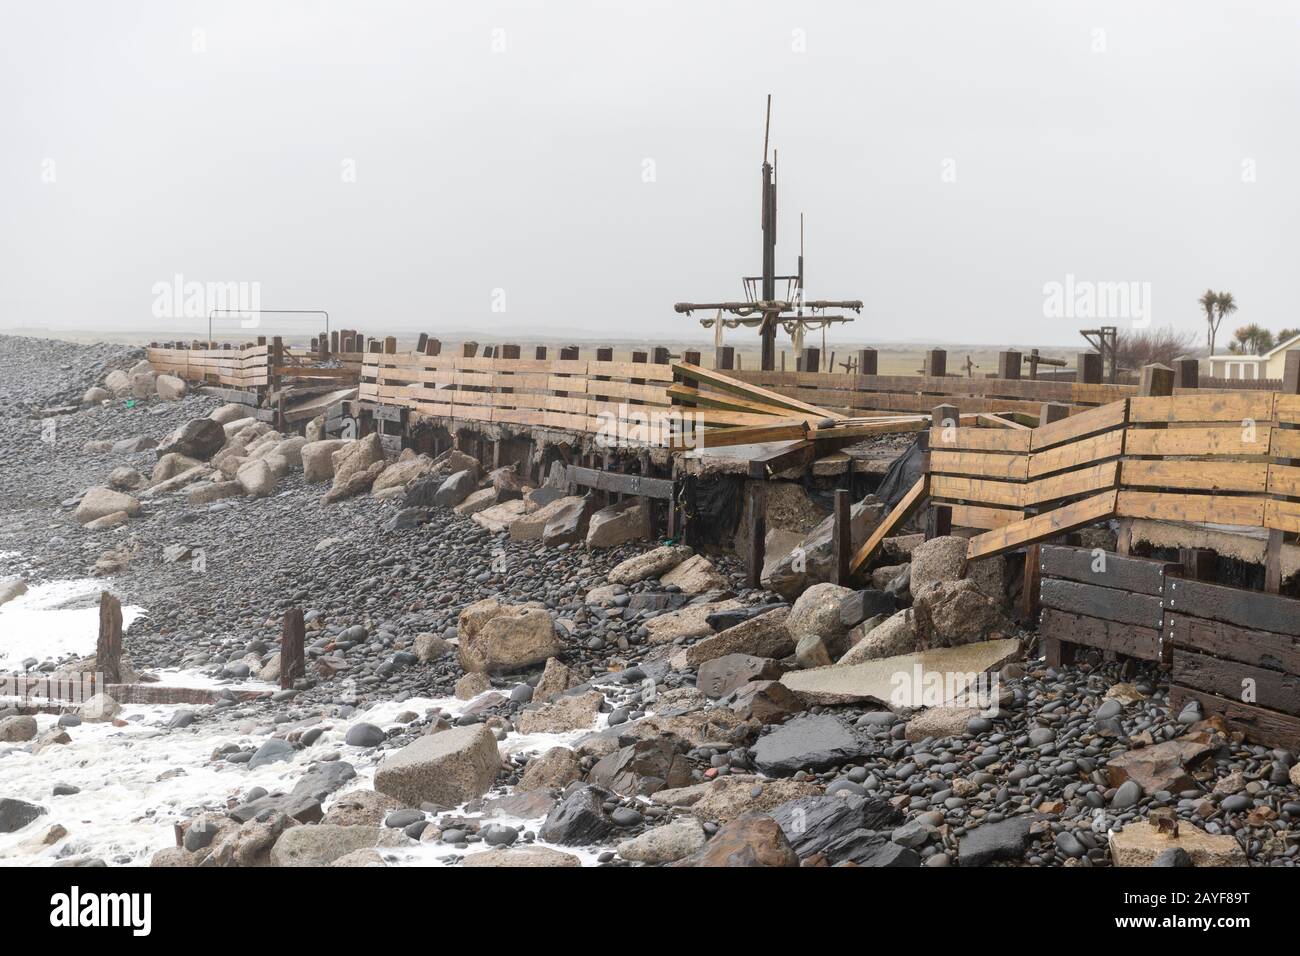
867	361
724	358
108	649
1089	368
810	360
1009	364
433	347
1187	373
756	534
292	655
938	522
936	363
842	537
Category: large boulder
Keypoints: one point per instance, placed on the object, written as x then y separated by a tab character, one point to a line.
170	388
579	819
521	857
355	462
817	614
533	524
554	770
628	520
447	768
895	635
101	502
323	843
118	382
754	839
813	559
940	559
664	844
568	525
125	478
199	438
576	712
949	613
318	459
651	564
16	814
496	637
806	743
455	489
695	575
407	468
642	768
171	465
507	483
228	413
255	478
764	635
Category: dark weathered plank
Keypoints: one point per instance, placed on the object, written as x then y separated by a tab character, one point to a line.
1260	726
1059	626
1108	604
108	648
1104	569
1279	652
623	484
1272	690
1256	610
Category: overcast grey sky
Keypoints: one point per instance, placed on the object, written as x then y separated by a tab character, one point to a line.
397	163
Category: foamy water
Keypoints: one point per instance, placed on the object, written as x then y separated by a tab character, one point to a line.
137	781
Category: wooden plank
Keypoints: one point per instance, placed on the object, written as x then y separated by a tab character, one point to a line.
1284	480
620	482
1041	527
1254	610
976	516
1202	509
975	464
1260	726
1248	476
1265	649
1285	443
1232	440
1270	689
1078	426
1282	515
1085	451
1104	569
1109	604
778	431
1140	642
717	380
894	520
980	439
1208	407
1070	484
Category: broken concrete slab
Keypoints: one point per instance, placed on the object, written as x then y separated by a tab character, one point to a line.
690	621
923	679
1138	844
805	743
499	517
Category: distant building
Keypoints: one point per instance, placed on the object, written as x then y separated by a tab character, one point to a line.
1250	367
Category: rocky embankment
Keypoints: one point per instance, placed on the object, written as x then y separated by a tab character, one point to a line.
506	675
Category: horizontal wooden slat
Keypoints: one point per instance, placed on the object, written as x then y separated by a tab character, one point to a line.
1040	527
1269	689
1104	569
1260	725
1011	467
1139	642
1167	506
980	439
1078	426
1199	442
1085	451
1258	648
976	516
1246	476
1212	407
1108	604
1255	610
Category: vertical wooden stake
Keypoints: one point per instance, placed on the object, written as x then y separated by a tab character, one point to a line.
842	537
108	649
292	655
756	532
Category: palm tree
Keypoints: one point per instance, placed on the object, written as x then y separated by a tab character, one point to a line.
1285	334
1252	340
1208	301
1224	305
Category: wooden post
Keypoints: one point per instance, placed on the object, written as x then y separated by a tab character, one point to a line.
756	533
842	537
1156	380
1187	373
292	655
1009	364
1033	364
724	359
660	355
867	361
468	349
510	351
810	360
1050	412
936	363
108	649
433	347
421	342
1089	368
539	353
938	521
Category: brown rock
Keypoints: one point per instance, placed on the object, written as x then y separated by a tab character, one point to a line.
754	839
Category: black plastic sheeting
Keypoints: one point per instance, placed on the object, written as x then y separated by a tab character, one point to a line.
712	508
905	472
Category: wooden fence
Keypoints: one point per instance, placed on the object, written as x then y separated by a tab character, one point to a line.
243	368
